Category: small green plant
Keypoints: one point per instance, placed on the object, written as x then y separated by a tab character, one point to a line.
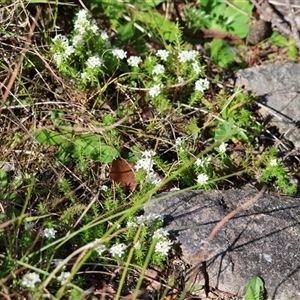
255	289
233	18
281	41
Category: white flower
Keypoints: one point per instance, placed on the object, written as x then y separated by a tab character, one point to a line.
104	35
179	141
69	50
148	219
180	79
163	54
131	224
28	225
117	249
119	53
94	62
196	67
273	162
155	90
201	85
103	188
187	55
158	69
63	276
160	233
222	148
58	57
85	75
134	61
30	279
94	28
57	261
163	247
148	153
77	40
199	162
145	163
208	160
153	178
137	245
100	249
62	39
49	233
202	179
82	23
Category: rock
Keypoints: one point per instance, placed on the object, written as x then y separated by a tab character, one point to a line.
263	240
277	87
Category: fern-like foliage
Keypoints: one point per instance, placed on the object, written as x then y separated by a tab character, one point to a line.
69	214
255	289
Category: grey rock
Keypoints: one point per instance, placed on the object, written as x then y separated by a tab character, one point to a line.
277	88
263	240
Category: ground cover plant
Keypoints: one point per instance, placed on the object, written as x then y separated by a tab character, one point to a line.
102	114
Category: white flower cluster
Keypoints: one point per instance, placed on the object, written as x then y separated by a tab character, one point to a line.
202	179
148	219
163	247
67	50
63	277
155	90
222	148
119	53
94	62
117	249
134	61
187	55
158	69
273	162
201	85
49	233
202	162
29	280
162	54
146	163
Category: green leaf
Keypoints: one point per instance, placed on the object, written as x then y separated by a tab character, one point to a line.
255	289
225	131
92	146
292	52
3	179
279	40
48	137
221	53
